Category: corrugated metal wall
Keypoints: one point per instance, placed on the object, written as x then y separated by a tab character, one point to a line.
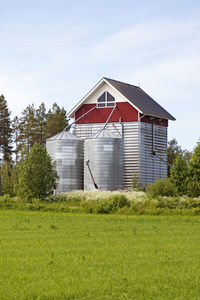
85	130
131	152
152	138
129	132
139	141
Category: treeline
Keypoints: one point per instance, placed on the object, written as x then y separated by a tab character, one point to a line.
19	157
18	135
183	173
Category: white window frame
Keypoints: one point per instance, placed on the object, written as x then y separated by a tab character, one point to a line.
106	102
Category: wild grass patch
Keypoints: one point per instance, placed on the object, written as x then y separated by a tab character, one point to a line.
103	202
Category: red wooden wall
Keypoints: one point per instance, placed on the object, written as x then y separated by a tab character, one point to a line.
123	112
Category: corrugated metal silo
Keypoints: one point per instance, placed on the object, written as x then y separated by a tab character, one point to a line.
66	150
104	151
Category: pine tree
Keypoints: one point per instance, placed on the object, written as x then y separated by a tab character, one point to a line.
5	135
16	134
5	131
27	127
41	124
56	120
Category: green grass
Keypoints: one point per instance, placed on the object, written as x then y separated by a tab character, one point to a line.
48	255
105	202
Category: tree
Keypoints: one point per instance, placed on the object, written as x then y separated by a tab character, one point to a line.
56	120
35	126
194	173
179	173
37	177
5	134
5	130
16	134
41	124
27	127
172	151
6	181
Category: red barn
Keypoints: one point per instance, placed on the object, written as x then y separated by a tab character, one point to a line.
139	119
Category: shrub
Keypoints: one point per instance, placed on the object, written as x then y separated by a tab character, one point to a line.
194	173
136	184
37	178
179	174
119	201
106	206
162	187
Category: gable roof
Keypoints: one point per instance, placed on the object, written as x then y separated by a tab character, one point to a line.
140	99
135	96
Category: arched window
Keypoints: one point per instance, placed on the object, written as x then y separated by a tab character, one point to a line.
106	100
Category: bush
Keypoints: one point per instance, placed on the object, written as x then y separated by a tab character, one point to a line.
194	173
162	187
37	177
119	201
136	184
179	174
106	206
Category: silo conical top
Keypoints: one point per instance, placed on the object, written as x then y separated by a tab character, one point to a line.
63	135
104	134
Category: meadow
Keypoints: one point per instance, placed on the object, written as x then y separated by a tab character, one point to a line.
54	255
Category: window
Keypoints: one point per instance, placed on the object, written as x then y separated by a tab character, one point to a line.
106	100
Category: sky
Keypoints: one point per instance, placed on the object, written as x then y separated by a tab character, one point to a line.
56	51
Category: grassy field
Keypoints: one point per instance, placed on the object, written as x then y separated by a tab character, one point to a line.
48	255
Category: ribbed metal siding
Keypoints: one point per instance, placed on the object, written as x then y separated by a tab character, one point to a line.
152	137
130	133
105	157
131	152
86	130
68	157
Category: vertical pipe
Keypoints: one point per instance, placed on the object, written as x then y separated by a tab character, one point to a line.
153	141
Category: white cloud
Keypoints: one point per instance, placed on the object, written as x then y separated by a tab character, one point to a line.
163	56
144	39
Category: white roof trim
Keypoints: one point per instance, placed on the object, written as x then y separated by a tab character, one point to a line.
71	113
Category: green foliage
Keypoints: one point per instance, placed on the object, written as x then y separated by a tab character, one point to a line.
173	150
194	173
5	130
130	203
27	127
56	120
37	177
162	187
136	184
6	180
106	206
179	173
35	125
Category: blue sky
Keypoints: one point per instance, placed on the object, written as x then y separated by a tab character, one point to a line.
56	51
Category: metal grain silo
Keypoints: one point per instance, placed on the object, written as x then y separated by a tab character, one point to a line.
66	150
104	151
